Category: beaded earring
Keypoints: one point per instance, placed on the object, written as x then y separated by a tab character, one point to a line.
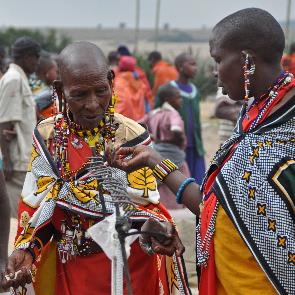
249	70
53	100
59	143
57	97
110	126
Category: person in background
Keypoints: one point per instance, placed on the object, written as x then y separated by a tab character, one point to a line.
149	103
4	202
130	90
167	131
113	60
227	111
17	116
190	113
4	221
5	63
288	60
123	50
162	70
46	72
2	58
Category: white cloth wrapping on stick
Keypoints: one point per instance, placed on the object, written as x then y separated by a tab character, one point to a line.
105	235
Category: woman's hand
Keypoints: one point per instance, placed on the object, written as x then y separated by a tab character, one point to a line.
165	241
18	270
142	156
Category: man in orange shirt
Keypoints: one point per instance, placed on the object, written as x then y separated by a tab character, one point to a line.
162	70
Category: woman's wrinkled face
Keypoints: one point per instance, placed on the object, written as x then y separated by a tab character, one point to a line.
88	93
229	67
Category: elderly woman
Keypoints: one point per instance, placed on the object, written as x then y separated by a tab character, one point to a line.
60	198
246	235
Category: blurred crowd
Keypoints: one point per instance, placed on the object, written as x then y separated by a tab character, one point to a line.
169	109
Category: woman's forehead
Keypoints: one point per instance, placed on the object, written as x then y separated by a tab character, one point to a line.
217	46
215	38
214	47
85	74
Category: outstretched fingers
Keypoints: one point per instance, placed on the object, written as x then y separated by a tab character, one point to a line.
118	159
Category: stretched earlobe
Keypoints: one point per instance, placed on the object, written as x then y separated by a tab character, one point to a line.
111	77
58	91
249	70
250	54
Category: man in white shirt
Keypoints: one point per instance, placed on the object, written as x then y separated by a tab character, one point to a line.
17	116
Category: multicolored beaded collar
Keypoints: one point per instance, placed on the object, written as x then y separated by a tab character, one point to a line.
79	130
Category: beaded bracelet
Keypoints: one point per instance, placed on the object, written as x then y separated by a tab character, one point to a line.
182	187
164	168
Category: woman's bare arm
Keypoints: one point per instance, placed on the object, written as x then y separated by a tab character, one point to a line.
143	156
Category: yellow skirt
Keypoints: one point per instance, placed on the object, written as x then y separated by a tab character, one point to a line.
236	269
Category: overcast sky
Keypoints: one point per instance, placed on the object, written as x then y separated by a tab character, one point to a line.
109	13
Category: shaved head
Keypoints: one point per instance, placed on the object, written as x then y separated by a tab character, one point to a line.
254	29
79	57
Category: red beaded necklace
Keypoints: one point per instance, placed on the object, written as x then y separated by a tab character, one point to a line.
260	108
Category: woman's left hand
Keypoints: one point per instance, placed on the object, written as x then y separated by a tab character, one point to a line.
167	243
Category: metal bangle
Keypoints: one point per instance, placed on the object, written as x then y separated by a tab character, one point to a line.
182	187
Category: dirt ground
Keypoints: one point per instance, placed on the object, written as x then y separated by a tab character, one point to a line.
185	220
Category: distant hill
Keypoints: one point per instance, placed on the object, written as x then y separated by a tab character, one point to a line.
120	35
170	42
126	35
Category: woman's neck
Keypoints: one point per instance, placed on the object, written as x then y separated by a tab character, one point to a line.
264	79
